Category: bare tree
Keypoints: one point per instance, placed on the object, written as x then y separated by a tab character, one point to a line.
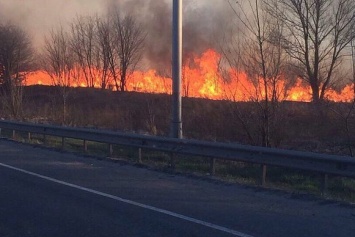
262	58
105	50
186	82
316	34
59	64
16	58
83	42
345	111
129	36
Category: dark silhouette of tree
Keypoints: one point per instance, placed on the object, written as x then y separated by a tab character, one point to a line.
105	50
58	61
257	50
83	42
129	37
16	58
315	36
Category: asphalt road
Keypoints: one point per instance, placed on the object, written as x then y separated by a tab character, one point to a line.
49	193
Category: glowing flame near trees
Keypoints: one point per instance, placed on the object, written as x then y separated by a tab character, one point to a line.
203	79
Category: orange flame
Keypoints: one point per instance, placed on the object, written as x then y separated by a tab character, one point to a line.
202	78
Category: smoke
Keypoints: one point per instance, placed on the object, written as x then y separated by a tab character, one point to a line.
38	17
202	23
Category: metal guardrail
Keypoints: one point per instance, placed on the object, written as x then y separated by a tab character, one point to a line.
325	164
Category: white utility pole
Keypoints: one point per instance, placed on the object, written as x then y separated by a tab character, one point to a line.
176	126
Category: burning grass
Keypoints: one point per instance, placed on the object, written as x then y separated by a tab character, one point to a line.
203	77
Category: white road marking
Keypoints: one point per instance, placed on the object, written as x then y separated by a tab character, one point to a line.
169	213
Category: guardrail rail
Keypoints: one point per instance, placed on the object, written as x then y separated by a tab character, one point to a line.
324	164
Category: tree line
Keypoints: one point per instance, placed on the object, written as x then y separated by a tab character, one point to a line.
101	50
98	49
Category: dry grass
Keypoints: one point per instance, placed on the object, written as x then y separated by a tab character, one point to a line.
299	126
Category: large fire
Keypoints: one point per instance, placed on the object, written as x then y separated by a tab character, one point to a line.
203	79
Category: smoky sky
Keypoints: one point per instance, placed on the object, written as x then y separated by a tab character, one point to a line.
203	21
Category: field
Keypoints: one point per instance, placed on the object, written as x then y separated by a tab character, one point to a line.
295	125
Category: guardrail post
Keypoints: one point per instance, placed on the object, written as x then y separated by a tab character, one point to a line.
140	155
63	143
85	145
212	166
29	136
13	134
0	132
110	150
324	184
172	161
263	175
